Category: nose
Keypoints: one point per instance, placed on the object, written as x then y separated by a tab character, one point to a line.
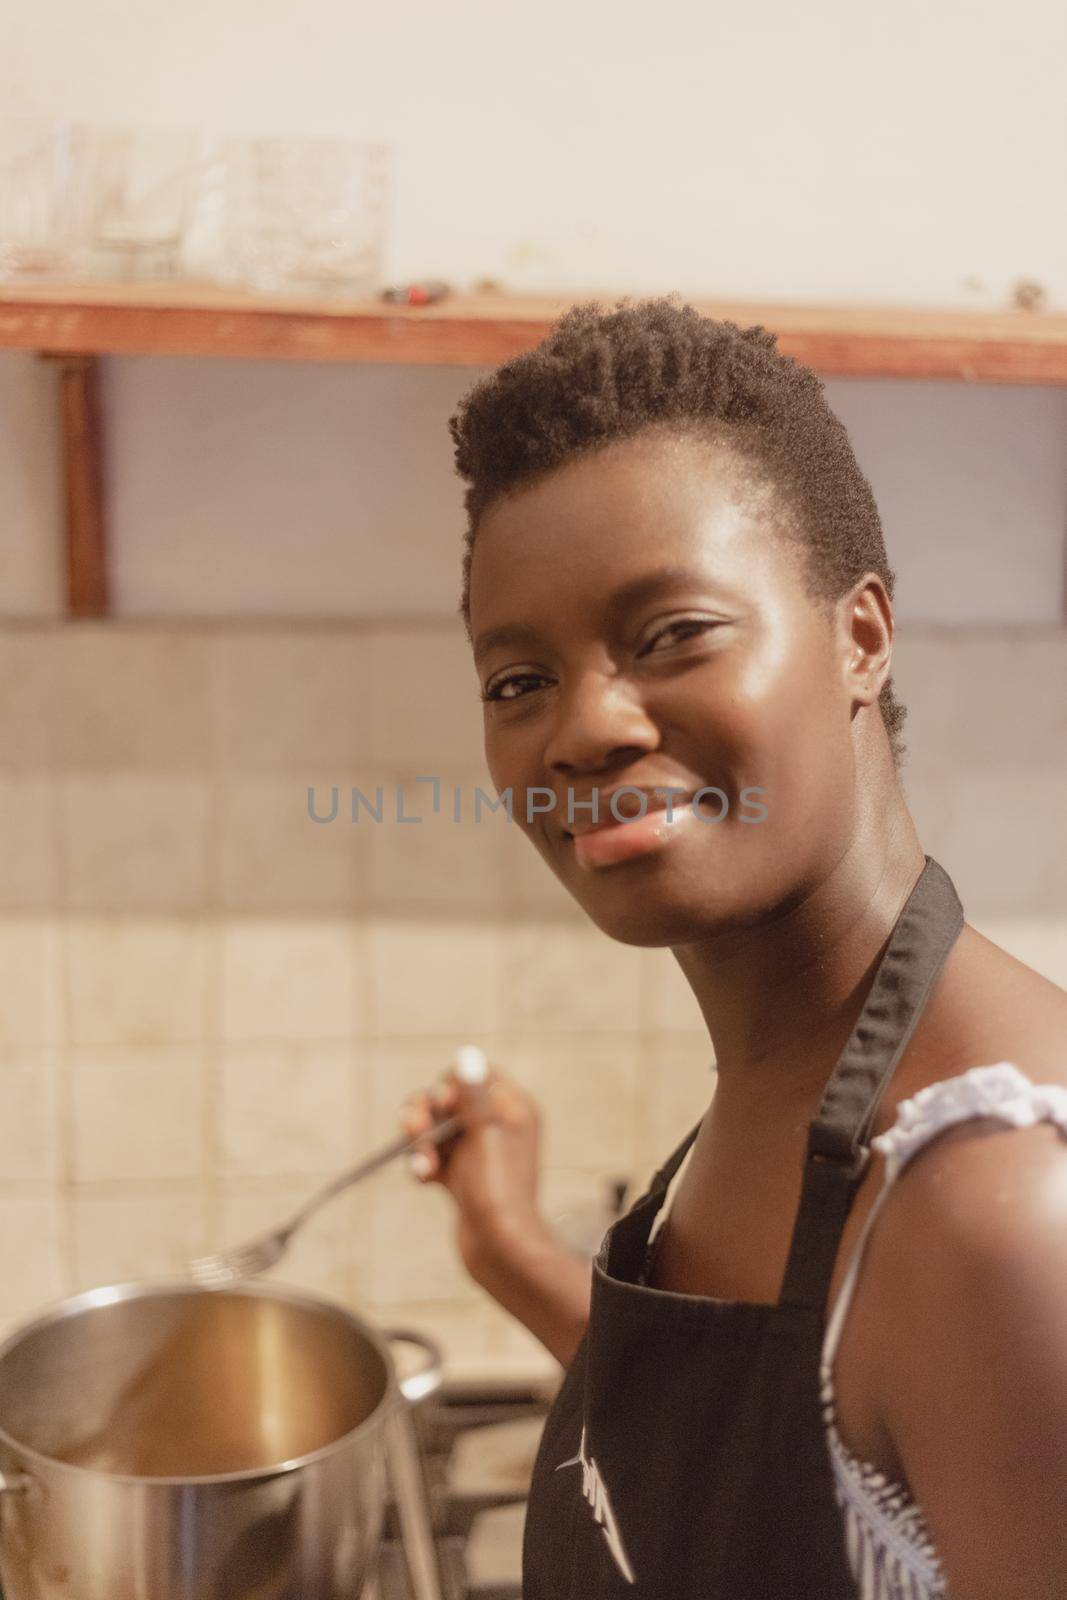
600	723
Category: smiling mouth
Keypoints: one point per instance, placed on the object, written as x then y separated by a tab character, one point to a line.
607	844
656	808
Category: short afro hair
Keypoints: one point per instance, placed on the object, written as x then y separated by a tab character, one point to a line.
603	376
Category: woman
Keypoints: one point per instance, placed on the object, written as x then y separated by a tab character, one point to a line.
675	584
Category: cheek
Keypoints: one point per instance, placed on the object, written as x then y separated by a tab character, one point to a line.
513	765
792	729
502	755
492	761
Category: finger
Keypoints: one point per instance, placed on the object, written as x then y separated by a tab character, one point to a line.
422	1164
444	1094
473	1097
432	1164
504	1099
415	1124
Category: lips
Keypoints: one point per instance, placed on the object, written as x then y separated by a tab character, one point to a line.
643	837
642	831
629	805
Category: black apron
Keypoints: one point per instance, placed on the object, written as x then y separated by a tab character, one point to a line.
685	1456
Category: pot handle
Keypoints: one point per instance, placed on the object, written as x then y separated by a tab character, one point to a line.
427	1378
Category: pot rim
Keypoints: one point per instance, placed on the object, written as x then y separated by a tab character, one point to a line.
113	1294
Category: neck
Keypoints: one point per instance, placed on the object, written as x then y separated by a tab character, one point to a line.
781	998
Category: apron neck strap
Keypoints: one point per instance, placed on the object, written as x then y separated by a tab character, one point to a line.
838	1151
661	1180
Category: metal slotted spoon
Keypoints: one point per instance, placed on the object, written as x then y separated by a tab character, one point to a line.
264	1251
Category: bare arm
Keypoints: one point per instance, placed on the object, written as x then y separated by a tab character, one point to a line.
541	1283
492	1172
974	1384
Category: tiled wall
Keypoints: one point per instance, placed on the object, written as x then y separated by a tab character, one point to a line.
209	1003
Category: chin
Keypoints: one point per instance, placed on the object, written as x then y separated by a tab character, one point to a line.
650	932
637	914
654	904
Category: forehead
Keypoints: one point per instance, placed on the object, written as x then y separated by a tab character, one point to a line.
580	532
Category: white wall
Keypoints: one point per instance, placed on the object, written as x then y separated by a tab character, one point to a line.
917	153
820	151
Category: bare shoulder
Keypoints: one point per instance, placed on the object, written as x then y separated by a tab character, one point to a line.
972	1236
991	962
967	1284
983	1188
971	1384
981	1207
983	1176
988	1006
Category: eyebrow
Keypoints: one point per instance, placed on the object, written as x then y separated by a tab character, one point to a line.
661	580
498	637
646	587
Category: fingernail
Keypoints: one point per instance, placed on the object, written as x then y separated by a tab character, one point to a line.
420	1163
471	1064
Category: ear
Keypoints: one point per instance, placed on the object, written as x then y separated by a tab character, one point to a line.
865	636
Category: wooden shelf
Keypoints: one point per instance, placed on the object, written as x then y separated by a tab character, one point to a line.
188	319
73	324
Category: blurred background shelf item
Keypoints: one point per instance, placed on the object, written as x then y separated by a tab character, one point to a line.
91	201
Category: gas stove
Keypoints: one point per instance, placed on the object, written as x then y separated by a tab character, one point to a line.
464	1488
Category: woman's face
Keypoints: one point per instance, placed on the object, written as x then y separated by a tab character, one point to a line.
637	620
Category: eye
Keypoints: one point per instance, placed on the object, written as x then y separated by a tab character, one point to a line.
678	631
497	687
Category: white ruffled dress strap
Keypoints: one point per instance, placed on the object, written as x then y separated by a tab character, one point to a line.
1000	1091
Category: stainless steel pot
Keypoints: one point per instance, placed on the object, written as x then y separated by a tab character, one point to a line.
168	1442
